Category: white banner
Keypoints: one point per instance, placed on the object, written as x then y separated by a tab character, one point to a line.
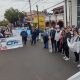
10	43
75	46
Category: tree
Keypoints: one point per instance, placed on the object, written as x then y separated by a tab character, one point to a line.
13	15
4	23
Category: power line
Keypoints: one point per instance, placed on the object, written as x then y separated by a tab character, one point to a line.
34	4
54	5
44	2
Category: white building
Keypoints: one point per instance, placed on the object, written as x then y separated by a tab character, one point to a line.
56	17
72	12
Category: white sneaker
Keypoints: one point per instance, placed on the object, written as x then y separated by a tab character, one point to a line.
66	59
78	65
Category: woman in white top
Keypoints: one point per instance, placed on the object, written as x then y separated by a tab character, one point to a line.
79	52
76	39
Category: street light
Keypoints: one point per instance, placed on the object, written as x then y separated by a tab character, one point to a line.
37	15
30	11
70	12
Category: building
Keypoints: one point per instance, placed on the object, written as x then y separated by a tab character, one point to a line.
58	13
72	12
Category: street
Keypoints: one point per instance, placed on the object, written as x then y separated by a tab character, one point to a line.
34	63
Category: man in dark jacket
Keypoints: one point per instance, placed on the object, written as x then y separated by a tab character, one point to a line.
65	44
24	36
45	39
37	33
52	35
33	33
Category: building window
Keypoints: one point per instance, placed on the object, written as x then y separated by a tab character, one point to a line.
78	13
78	21
78	2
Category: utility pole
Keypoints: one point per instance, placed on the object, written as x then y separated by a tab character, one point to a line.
49	20
30	11
37	15
66	12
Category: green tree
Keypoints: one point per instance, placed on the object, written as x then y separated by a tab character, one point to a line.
13	15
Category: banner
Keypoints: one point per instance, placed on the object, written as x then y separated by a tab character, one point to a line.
41	21
75	46
17	31
10	43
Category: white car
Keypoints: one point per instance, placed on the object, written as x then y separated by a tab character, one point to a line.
75	77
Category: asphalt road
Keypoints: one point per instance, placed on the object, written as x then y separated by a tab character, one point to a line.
34	63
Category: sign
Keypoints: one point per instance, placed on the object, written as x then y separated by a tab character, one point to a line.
10	43
74	46
3	44
41	21
14	42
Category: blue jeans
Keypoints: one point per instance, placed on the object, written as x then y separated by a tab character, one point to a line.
46	45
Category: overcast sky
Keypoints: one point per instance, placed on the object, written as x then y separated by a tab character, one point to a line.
23	5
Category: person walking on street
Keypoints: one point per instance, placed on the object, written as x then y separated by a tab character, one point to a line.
45	38
33	36
24	36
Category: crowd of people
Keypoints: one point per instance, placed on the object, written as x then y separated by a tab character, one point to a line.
34	35
5	32
25	32
60	37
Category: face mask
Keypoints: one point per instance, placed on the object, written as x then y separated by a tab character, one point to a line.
58	29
